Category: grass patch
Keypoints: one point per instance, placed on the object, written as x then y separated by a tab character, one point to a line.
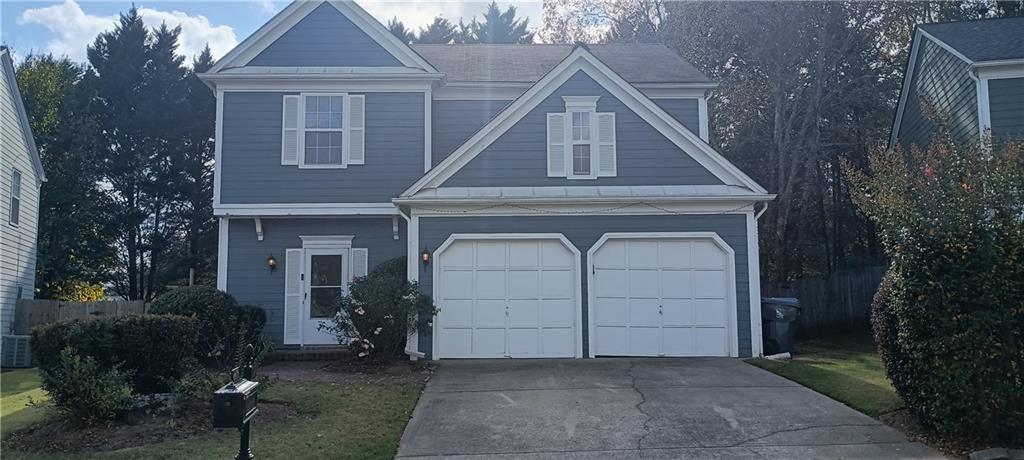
335	421
846	368
18	388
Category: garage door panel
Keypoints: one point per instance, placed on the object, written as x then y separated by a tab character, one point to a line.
458	313
458	256
490	284
642	254
491	254
456	342
644	341
675	254
458	284
709	284
489	342
557	312
557	284
611	255
555	254
489	313
558	341
523	254
644	312
707	254
676	283
711	341
524	342
710	312
610	283
679	341
610	341
610	311
523	284
644	283
677	312
523	313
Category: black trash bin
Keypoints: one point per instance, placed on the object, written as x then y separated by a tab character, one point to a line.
778	323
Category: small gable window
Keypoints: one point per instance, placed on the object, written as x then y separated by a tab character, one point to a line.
15	217
322	130
581	140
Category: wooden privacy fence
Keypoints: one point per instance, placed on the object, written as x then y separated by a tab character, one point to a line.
29	313
839	303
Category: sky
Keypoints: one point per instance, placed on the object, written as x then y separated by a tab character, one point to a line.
66	27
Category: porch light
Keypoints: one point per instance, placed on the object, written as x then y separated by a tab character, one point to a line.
271	263
425	256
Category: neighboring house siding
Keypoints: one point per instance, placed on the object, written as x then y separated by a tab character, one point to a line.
942	80
325	38
519	156
456	121
17	243
251	153
583	232
1006	106
251	282
684	111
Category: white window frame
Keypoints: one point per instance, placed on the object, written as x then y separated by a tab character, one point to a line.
344	130
571	143
14	215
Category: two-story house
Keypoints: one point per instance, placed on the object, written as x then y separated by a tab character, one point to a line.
21	176
969	75
554	200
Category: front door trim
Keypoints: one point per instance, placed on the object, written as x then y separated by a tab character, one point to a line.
730	274
577	291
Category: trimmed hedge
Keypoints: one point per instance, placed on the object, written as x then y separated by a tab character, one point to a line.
151	349
225	327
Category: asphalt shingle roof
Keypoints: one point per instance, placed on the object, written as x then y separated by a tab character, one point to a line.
984	40
636	63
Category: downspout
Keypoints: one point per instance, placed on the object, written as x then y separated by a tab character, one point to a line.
984	115
759	213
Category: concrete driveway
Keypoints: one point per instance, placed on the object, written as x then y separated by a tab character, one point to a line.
628	408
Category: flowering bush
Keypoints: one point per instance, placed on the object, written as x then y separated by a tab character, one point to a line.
380	311
949	318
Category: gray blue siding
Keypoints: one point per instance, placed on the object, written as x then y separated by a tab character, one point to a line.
1006	107
325	38
684	111
252	283
940	87
251	153
519	156
456	121
583	232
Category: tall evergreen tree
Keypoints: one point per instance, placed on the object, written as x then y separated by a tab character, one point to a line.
441	31
399	30
500	27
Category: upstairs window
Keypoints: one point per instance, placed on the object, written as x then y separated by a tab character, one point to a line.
15	216
581	140
323	130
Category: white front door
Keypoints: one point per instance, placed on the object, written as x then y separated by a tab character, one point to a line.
661	297
512	298
326	280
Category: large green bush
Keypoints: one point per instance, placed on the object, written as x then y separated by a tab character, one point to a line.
152	349
85	391
949	317
379	312
225	327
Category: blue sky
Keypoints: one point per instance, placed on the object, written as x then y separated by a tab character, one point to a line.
66	27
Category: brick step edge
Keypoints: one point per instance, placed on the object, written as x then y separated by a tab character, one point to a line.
309	354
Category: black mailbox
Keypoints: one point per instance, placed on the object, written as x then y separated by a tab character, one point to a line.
235	404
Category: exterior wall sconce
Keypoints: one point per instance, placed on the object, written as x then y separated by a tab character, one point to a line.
425	256
271	263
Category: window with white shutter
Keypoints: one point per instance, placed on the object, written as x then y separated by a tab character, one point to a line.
556	145
356	127
606	161
293	293
324	130
290	131
581	141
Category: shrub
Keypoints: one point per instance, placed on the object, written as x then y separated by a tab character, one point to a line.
83	389
151	348
380	311
224	326
949	317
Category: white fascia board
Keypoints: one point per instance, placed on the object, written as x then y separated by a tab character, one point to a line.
296	11
582	60
993	70
485	91
294	85
305	209
585	209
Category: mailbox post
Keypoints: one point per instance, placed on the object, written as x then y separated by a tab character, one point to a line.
235	404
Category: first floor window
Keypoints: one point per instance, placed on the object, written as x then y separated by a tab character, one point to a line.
324	126
15	216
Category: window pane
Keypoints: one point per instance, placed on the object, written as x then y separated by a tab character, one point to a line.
15	210
323	302
336	104
326	270
581	126
581	160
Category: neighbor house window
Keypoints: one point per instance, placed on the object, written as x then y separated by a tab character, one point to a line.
15	197
324	130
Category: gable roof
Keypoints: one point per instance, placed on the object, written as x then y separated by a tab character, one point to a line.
636	63
581	59
19	106
982	40
296	11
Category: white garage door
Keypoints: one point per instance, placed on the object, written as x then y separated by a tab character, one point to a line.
661	297
506	298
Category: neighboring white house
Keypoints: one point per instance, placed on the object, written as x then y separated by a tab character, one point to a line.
21	175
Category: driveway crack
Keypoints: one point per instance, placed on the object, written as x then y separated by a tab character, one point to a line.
794	430
639	407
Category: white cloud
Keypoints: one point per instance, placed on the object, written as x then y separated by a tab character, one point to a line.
74	29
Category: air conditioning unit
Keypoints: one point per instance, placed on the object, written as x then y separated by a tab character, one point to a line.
16	351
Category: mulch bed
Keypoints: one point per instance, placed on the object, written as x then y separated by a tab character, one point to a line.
60	435
351	371
904	422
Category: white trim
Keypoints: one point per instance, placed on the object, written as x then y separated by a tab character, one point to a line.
730	273
222	253
326	241
19	106
1008	69
702	117
259	229
984	111
305	209
507	91
588	209
428	116
295	12
581	59
588	107
326	247
580	103
754	283
344	130
946	46
294	84
218	137
412	262
578	321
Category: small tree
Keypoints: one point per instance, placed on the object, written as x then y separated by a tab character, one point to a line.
379	312
949	319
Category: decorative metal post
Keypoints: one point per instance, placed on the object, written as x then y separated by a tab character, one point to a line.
248	373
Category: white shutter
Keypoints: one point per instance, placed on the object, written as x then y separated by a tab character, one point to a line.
293	296
290	131
356	129
606	144
360	265
556	145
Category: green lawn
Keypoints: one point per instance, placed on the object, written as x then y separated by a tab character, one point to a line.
846	368
335	421
17	389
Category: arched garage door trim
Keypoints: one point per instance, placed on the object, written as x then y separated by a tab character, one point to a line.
577	277
730	270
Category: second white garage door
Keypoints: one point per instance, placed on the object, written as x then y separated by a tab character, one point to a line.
662	296
506	298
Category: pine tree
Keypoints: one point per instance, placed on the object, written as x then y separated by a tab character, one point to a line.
441	31
399	30
500	27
